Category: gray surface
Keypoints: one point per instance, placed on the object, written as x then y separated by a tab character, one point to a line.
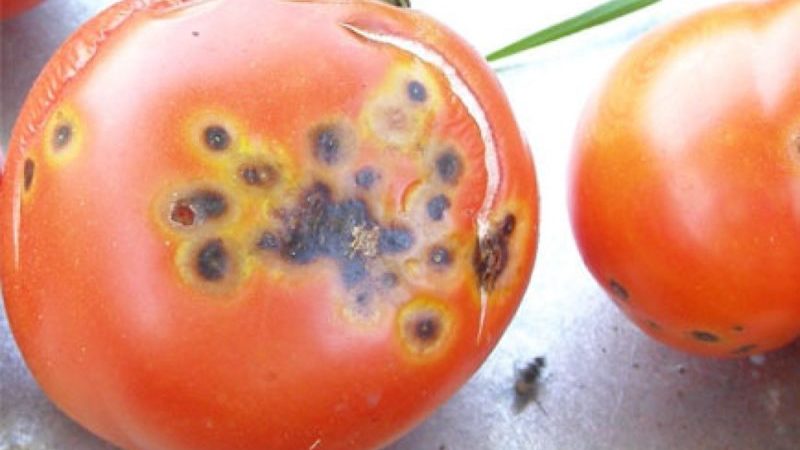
606	385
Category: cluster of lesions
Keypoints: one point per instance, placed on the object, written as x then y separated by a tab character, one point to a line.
61	142
266	211
733	337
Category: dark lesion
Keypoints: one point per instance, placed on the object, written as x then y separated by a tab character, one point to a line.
212	261
492	253
705	336
217	138
198	207
449	166
258	174
398	3
618	291
62	136
28	171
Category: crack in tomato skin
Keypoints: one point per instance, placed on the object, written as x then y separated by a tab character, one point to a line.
491	254
247	322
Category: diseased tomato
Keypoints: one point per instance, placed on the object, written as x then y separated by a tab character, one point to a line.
685	185
263	224
11	8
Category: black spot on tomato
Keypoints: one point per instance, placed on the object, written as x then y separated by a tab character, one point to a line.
62	136
738	328
198	207
216	138
416	91
618	290
213	260
28	170
366	177
427	328
440	256
449	166
437	206
491	255
653	325
268	241
705	336
261	175
353	270
326	143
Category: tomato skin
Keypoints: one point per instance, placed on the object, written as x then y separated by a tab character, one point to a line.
685	181
11	8
126	312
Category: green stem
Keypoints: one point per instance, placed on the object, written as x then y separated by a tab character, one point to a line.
593	17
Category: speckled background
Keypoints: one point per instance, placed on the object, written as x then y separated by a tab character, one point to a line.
606	386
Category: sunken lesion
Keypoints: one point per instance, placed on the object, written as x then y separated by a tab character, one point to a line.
705	336
424	327
491	254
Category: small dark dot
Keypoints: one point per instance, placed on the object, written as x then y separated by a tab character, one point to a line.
416	91
327	145
268	241
745	349
217	138
362	299
62	136
366	177
437	207
258	175
509	224
389	279
440	256
448	166
195	33
653	325
618	291
738	328
212	260
27	175
705	336
395	240
427	328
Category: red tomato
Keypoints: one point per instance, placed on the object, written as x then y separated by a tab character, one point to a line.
263	224
11	8
685	186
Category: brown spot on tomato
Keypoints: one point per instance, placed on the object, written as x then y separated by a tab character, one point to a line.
424	326
198	207
618	291
653	325
738	328
216	138
704	336
28	170
491	254
389	280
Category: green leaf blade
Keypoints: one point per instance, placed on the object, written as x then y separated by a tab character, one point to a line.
596	16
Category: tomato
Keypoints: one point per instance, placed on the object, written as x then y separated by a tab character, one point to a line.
685	181
263	224
11	8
